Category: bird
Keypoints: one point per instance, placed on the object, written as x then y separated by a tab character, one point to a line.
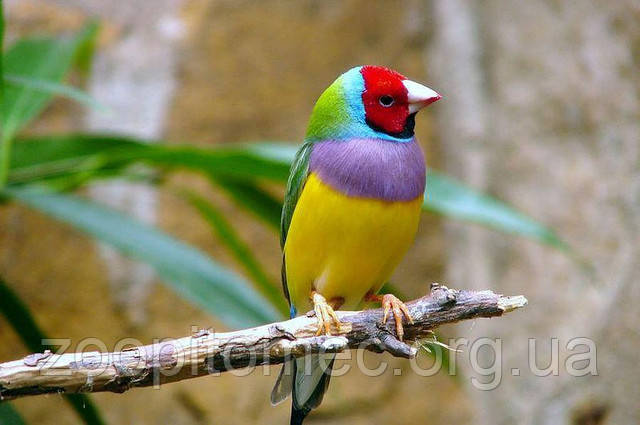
351	211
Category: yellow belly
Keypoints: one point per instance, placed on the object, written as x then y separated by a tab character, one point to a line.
342	246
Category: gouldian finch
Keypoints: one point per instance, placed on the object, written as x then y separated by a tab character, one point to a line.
351	210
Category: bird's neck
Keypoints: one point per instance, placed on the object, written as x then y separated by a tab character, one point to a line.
371	168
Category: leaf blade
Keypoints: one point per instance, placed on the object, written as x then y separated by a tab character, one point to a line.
44	59
9	415
20	318
270	161
53	89
240	250
39	157
183	268
254	199
450	198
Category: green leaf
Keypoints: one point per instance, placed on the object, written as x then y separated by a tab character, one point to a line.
40	59
240	251
185	269
5	148
54	89
254	199
235	169
450	198
87	46
1	34
9	415
42	157
20	318
278	152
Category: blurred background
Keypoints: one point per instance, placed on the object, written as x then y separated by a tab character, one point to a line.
541	110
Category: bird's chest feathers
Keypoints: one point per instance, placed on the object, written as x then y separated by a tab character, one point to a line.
371	168
355	219
345	246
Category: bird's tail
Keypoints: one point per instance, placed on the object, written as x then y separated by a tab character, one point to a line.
307	379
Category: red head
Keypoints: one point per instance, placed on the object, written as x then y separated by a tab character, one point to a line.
390	100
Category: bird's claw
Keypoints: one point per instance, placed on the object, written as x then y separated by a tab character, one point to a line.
398	308
324	314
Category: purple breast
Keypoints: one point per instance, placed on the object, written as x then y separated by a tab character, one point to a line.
371	168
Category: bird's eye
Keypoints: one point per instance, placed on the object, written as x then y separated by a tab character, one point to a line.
386	100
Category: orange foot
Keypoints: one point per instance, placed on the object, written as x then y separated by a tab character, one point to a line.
324	314
392	303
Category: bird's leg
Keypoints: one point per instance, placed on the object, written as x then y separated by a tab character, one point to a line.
391	303
324	313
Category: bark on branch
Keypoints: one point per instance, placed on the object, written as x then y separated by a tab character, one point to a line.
207	352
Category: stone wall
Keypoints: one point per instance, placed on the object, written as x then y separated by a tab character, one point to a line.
545	114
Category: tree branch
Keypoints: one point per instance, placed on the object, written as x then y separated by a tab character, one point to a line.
206	352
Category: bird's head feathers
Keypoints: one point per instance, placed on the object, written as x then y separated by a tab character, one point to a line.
369	102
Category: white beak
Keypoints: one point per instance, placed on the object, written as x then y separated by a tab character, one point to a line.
419	96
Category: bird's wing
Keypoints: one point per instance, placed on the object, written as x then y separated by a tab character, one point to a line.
295	184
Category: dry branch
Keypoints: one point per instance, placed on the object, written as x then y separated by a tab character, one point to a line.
207	352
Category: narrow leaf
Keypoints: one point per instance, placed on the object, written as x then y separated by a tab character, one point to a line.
42	59
87	47
20	318
39	158
450	198
240	251
185	269
5	147
254	199
236	169
1	70
54	89
9	415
